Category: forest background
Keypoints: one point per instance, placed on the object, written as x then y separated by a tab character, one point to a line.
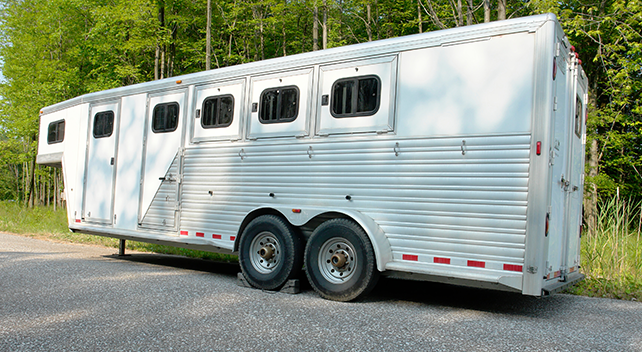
53	50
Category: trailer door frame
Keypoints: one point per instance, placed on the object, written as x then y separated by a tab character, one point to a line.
100	162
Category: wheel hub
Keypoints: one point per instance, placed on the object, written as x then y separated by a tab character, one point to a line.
265	252
337	260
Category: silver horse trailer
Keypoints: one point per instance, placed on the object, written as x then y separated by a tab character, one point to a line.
453	156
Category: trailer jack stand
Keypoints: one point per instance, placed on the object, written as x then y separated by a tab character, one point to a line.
121	248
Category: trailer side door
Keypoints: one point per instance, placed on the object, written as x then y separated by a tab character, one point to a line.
98	192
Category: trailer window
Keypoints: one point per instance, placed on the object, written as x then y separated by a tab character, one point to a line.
165	117
217	111
356	96
56	132
103	124
578	117
279	105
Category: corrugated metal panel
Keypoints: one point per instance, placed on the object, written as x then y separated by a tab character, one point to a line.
430	199
162	211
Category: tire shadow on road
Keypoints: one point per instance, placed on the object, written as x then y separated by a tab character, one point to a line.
388	289
446	295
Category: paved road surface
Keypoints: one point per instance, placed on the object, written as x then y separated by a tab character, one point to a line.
66	297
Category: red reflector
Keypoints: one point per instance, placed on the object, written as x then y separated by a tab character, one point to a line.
441	260
511	267
296	211
572	48
476	264
200	234
183	233
579	61
232	238
538	149
77	220
577	55
217	237
410	257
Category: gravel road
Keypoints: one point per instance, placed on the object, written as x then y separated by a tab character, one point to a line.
69	297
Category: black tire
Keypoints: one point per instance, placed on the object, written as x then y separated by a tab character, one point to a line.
264	236
339	261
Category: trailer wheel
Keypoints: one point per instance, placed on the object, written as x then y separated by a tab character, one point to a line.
270	252
340	261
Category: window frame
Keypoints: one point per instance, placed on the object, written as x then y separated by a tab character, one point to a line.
59	137
579	108
355	96
217	119
111	130
164	129
279	105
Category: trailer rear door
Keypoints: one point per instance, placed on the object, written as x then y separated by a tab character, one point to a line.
567	159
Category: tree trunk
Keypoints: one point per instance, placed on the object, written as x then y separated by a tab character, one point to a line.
156	63
501	10
161	20
590	200
315	28
324	25
419	24
486	11
460	14
208	37
368	22
469	13
31	199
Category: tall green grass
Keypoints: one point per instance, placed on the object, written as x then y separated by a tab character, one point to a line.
612	253
44	222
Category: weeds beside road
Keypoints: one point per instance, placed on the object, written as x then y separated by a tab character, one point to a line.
611	255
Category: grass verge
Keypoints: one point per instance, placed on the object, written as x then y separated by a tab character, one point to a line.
612	253
45	223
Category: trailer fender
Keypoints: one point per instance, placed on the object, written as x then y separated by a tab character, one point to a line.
299	217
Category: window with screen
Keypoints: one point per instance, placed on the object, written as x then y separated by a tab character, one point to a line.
56	132
578	117
217	111
356	96
279	105
165	117
103	124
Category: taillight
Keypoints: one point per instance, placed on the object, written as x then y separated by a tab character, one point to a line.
546	227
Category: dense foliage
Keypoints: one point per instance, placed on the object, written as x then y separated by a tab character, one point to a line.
52	50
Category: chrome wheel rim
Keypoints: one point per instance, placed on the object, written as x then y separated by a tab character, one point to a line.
265	252
337	260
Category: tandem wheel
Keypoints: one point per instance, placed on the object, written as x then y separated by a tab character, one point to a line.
340	261
270	252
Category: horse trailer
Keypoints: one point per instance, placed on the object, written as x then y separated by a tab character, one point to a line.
453	156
